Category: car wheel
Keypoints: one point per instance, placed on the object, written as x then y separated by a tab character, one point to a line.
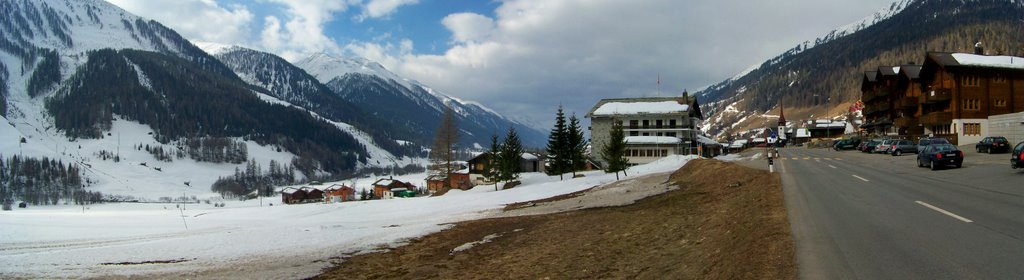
931	164
898	153
978	149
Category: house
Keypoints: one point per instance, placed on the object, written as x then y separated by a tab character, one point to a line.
528	163
459	180
312	194
339	193
655	127
385	188
950	95
292	195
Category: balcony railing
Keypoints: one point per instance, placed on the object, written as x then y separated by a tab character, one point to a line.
937	118
907	103
905	122
937	95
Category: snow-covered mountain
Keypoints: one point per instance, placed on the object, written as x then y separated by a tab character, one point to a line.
820	78
144	112
416	106
283	81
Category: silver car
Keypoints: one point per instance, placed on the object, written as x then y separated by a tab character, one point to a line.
884	147
898	147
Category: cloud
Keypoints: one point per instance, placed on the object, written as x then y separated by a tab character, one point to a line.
303	30
202	20
382	8
536	54
466	27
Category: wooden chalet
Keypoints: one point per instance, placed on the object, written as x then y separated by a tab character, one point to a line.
950	95
312	194
339	193
385	188
292	195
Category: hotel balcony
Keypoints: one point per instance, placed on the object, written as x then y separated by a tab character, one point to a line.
905	122
907	103
937	118
937	95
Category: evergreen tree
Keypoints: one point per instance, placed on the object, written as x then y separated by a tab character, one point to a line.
490	171
615	151
577	145
558	146
510	155
442	152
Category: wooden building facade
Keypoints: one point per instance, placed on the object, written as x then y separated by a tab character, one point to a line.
951	95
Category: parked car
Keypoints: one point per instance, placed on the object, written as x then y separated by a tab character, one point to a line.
1017	156
936	156
995	144
883	147
924	142
871	145
846	144
898	147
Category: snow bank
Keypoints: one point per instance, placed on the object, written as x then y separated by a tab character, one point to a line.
268	242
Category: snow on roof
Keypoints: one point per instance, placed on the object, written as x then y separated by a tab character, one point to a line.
627	108
529	156
290	190
705	140
652	140
1000	61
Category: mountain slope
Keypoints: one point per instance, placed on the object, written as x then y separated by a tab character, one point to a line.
822	78
410	104
79	75
284	81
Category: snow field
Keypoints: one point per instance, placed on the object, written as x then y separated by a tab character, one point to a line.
280	241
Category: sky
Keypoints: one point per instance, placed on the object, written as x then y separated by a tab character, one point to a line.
523	58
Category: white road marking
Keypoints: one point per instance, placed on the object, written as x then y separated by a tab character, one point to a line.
832	166
940	210
861	178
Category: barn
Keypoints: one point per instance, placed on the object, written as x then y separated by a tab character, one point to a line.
292	195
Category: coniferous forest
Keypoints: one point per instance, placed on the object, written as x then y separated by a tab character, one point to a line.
181	101
42	182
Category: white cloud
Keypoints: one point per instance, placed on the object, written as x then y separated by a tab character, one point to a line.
466	27
382	8
202	20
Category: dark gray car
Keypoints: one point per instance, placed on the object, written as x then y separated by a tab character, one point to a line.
928	141
898	147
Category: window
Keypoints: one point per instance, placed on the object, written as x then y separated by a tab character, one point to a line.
972	129
1000	103
971	81
658	123
650	153
634	123
999	79
664	152
647	134
670	134
634	133
659	134
671	123
647	123
971	105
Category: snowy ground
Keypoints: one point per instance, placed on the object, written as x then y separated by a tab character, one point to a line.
244	240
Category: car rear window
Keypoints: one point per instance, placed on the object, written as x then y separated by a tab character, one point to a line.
999	139
944	147
940	140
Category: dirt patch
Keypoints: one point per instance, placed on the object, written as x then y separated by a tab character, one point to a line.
520	205
725	222
146	262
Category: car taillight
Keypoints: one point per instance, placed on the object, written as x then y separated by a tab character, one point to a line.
938	155
1022	156
893	147
961	153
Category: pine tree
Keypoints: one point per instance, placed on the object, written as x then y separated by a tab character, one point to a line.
615	151
558	146
510	155
442	152
577	145
490	171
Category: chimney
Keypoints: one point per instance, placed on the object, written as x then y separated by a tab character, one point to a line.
686	97
978	49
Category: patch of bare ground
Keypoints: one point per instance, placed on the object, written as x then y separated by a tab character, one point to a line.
724	222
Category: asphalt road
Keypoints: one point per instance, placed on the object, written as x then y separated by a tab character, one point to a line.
871	216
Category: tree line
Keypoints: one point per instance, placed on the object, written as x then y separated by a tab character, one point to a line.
42	182
253	179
